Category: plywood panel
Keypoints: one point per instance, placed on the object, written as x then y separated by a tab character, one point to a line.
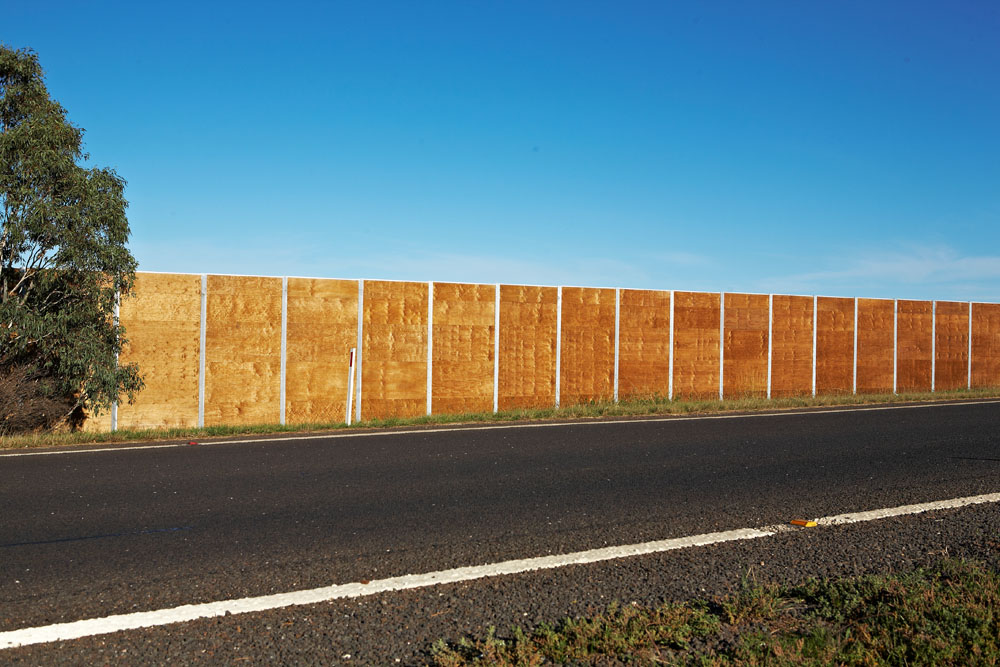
463	342
162	321
243	350
985	344
394	355
322	328
643	343
875	346
792	347
913	345
951	346
834	346
527	373
587	368
696	344
745	345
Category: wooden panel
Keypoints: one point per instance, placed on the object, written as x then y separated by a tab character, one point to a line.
696	344
875	346
587	369
643	343
985	345
162	321
243	350
394	358
745	345
792	348
834	346
527	346
913	345
322	328
951	346
463	348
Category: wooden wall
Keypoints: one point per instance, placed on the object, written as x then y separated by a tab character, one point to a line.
527	358
162	320
463	329
394	349
792	347
876	338
745	346
834	346
643	343
587	369
322	329
696	344
242	383
951	346
985	344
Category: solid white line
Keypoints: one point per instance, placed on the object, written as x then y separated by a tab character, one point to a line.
191	612
452	429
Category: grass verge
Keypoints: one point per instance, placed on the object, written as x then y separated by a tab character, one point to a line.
948	614
651	406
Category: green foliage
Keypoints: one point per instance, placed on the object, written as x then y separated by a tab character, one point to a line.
63	255
945	615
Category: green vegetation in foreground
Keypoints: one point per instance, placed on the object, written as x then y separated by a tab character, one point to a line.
632	407
945	615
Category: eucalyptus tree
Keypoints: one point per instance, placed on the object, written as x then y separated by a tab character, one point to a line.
64	262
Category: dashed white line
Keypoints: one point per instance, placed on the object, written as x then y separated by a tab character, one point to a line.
191	612
425	431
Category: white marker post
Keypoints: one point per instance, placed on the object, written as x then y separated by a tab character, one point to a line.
350	384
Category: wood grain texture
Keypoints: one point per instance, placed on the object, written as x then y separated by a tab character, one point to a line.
951	346
745	345
643	343
322	329
875	346
587	369
243	350
913	345
696	344
834	345
394	355
985	345
527	362
792	347
463	348
162	320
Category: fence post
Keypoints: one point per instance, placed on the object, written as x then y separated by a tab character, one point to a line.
430	344
854	382
722	343
670	361
360	357
496	350
895	343
116	319
201	351
933	343
969	381
770	340
558	339
284	347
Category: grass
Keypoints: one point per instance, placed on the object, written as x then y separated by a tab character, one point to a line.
948	614
656	405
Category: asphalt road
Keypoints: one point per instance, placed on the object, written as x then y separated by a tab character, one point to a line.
91	534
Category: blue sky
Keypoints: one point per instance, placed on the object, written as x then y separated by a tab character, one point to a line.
842	148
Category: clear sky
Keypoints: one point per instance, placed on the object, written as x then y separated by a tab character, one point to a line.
844	148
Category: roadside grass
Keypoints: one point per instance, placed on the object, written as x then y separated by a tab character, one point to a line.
947	614
632	407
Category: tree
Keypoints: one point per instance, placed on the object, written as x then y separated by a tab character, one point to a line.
63	260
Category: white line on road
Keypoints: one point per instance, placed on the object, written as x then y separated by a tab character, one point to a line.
423	431
191	612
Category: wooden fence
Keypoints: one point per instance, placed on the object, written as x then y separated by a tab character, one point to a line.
218	349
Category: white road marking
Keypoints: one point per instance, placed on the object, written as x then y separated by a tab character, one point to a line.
792	412
191	612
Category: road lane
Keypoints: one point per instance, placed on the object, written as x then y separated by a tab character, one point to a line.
118	532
